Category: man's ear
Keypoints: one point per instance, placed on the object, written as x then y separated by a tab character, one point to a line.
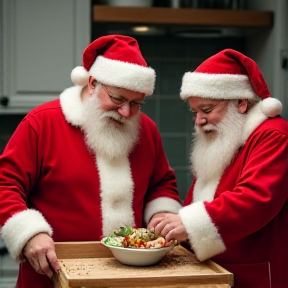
242	106
91	85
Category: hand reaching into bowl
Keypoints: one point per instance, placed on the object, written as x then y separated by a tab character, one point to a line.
169	226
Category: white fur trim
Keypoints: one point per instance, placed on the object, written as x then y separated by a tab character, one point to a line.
116	193
203	234
72	106
161	204
254	118
124	75
80	76
21	227
271	107
217	86
205	190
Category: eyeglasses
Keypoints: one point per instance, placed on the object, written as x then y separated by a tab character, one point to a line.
119	101
208	109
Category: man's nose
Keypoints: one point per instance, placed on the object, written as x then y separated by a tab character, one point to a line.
124	110
200	120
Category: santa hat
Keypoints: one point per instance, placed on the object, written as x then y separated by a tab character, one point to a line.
115	60
230	75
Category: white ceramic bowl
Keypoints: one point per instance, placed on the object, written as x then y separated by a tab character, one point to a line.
138	256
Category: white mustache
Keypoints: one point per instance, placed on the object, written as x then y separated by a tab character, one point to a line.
114	115
205	128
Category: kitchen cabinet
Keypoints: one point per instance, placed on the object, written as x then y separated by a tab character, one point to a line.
40	43
183	16
163	21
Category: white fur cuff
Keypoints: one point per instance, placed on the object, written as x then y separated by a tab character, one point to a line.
203	235
21	227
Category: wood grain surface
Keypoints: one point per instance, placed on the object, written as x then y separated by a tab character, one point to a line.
91	264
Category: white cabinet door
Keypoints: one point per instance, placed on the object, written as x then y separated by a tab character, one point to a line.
41	42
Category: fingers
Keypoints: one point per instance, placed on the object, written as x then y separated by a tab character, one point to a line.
159	225
170	226
178	233
163	227
45	262
53	260
164	224
44	265
40	252
48	263
154	222
39	262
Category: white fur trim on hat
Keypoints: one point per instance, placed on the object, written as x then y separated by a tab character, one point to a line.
80	76
217	86
271	107
21	227
123	74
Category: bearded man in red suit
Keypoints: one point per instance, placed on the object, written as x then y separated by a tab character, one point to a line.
79	167
236	210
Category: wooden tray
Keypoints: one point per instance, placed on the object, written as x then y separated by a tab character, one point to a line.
91	264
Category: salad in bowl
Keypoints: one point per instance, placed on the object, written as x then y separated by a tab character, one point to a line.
137	246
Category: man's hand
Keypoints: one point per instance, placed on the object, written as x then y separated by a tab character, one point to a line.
169	226
40	252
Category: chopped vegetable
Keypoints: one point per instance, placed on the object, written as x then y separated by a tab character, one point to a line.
123	231
136	238
114	241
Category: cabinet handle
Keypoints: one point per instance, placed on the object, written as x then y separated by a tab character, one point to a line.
4	101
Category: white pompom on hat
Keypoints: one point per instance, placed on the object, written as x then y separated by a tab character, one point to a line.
80	76
230	75
115	60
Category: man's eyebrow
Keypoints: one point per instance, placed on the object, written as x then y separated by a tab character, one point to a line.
208	105
124	98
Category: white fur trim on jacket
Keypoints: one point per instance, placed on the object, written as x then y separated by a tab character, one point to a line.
161	204
217	86
204	190
254	118
21	227
72	106
116	193
203	235
124	75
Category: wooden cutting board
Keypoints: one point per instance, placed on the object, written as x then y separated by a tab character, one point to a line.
91	264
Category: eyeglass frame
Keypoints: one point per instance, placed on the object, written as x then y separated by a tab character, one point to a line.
206	111
124	101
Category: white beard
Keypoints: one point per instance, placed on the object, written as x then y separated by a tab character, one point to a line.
210	157
102	135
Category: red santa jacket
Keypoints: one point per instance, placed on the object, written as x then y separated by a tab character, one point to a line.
245	227
49	181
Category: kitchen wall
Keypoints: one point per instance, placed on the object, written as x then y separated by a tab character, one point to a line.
267	49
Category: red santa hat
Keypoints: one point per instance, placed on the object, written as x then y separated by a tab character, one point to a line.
230	75
115	60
